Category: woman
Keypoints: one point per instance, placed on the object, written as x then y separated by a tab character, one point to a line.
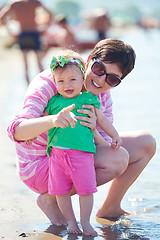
109	62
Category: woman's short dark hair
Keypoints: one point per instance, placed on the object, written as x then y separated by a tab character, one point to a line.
115	51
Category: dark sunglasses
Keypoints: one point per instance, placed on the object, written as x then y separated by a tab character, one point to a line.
99	69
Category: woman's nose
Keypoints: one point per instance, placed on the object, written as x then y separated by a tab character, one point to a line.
101	78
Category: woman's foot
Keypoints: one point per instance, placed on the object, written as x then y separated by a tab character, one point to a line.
88	230
73	228
111	212
48	204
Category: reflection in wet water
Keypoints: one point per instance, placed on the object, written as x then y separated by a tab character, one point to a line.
121	229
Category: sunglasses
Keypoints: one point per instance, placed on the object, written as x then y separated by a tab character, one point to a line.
99	69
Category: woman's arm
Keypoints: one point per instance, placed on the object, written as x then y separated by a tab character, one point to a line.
31	128
39	92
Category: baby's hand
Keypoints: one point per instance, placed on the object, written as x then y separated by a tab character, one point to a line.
116	142
65	117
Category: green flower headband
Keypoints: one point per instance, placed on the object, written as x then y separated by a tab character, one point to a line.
61	61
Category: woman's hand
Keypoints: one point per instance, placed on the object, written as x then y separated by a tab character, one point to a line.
65	117
89	121
30	142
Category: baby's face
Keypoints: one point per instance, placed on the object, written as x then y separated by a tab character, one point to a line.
68	80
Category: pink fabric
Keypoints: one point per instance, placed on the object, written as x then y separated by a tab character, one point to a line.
67	167
39	181
38	94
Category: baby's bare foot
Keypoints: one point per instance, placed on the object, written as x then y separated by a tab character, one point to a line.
48	204
88	230
73	228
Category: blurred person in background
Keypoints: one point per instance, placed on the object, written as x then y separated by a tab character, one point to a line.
62	35
29	38
65	37
100	22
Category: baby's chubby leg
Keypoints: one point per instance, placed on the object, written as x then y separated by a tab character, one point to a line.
65	205
86	205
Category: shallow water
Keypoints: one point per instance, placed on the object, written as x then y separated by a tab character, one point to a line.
136	106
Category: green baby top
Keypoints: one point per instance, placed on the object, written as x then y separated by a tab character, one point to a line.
80	137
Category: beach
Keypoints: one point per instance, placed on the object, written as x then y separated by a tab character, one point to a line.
136	106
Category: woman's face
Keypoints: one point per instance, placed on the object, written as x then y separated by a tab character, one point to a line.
96	84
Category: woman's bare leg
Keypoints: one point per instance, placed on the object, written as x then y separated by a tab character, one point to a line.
141	147
109	163
48	204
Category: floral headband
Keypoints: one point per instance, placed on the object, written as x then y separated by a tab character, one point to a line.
61	61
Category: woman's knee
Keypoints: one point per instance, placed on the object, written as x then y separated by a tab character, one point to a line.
147	143
119	162
139	144
111	160
150	146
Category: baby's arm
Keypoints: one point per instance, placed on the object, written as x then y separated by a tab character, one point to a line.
107	126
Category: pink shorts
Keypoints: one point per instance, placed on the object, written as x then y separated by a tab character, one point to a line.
67	167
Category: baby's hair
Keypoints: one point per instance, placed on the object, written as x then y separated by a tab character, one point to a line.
68	53
67	58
